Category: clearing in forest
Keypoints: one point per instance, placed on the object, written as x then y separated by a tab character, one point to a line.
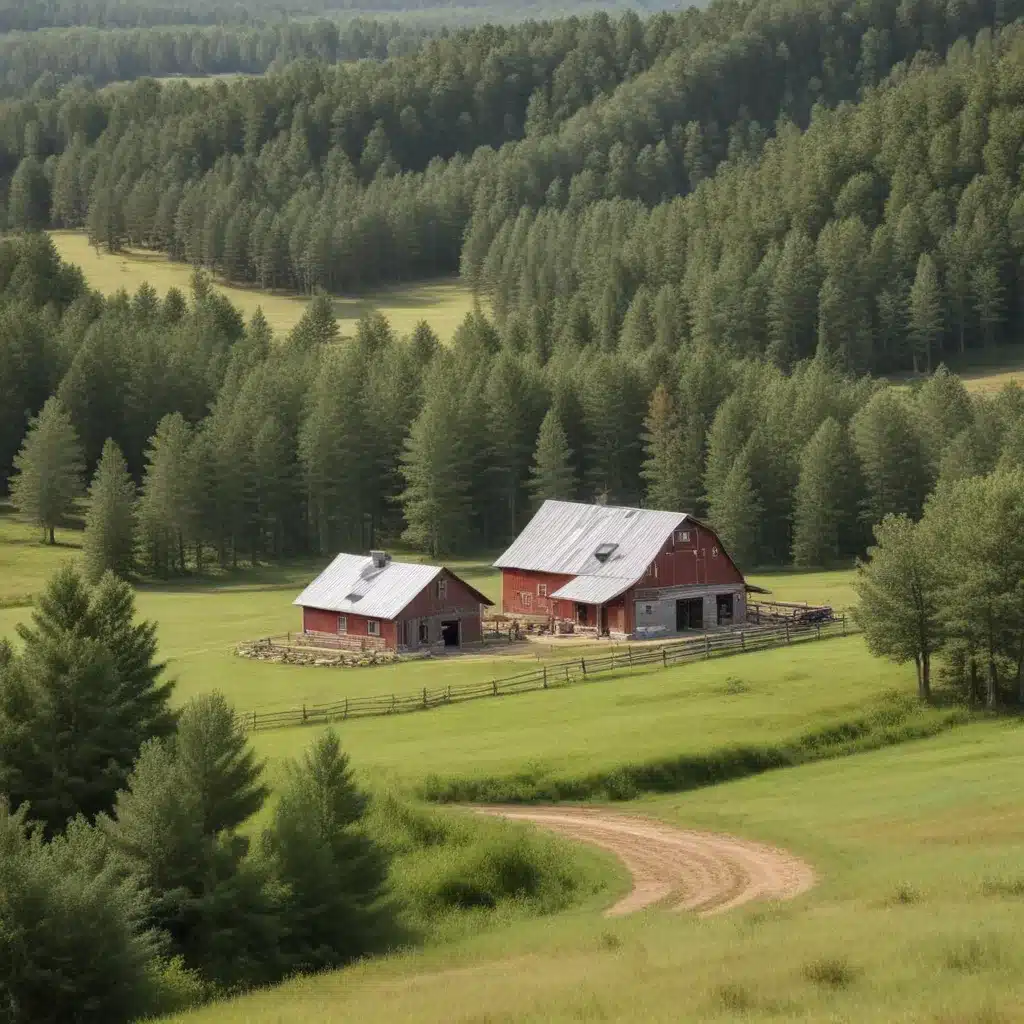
443	303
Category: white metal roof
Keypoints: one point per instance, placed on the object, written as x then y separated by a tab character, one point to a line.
563	537
352	584
593	589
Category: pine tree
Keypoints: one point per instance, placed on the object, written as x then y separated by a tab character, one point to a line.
212	749
48	475
332	872
668	468
80	700
825	502
435	501
109	541
552	474
893	461
214	904
73	943
925	319
166	510
735	510
28	204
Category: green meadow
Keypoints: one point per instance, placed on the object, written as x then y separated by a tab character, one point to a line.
443	303
915	917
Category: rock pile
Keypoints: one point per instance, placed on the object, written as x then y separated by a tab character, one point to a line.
323	659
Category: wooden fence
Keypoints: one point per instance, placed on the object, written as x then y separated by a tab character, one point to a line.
566	673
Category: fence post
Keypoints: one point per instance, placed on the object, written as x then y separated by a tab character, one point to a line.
629	655
664	658
743	640
345	712
394	701
844	624
304	712
449	693
545	677
787	631
424	696
707	646
254	721
494	686
583	665
567	679
818	625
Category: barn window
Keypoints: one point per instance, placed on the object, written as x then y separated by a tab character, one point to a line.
714	552
542	590
342	623
442	588
648	609
682	536
372	627
526	598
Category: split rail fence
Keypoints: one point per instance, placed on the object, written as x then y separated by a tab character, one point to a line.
566	673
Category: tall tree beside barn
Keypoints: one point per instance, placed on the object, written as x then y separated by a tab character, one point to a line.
552	474
735	510
668	468
48	470
109	540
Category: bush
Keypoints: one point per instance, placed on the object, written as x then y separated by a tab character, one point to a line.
831	972
449	867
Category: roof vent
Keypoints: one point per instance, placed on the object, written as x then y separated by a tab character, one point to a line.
380	559
605	551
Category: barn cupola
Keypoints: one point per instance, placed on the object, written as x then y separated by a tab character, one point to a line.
605	551
380	559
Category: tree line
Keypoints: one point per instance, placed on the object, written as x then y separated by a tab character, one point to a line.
208	440
38	63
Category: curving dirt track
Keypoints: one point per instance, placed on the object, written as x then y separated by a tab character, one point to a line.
678	868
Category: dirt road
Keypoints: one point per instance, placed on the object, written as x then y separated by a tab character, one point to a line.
678	868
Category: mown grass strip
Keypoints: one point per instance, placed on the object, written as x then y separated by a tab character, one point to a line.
899	719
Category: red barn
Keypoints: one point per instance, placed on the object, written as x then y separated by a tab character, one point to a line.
375	602
624	572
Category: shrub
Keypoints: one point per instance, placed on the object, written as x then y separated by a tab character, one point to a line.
830	972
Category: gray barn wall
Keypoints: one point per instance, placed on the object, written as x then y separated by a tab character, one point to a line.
663	608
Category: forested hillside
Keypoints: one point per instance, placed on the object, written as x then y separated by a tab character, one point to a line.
30	15
45	60
555	164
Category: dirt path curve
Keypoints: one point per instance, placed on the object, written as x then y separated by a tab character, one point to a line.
679	868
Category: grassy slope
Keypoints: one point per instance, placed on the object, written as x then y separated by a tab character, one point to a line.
621	719
443	303
916	917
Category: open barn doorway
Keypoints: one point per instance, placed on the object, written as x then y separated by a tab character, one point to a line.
689	614
450	633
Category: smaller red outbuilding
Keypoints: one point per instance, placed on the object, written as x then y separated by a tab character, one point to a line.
374	602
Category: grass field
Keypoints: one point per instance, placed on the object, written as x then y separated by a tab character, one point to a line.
916	916
442	303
